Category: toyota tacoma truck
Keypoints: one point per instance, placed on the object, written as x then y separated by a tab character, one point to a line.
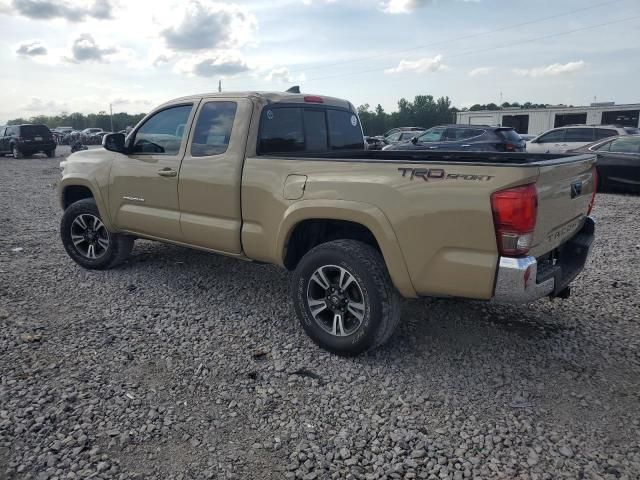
283	178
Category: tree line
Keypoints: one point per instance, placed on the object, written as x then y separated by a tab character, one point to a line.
80	121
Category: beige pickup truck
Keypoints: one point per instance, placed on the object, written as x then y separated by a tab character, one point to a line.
284	178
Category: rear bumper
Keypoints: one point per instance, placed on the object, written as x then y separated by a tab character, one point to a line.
525	279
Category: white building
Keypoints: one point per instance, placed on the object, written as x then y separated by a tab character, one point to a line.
537	120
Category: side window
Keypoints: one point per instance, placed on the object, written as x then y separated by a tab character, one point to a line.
457	134
552	137
433	135
281	130
605	133
345	132
213	129
625	145
162	134
584	135
394	137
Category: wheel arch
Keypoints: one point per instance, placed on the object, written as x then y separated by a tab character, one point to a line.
354	220
73	189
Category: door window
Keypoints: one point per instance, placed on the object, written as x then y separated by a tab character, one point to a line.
433	135
162	134
625	145
584	135
458	134
552	137
394	137
213	129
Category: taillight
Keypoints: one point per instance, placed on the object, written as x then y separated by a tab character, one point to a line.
509	147
594	178
514	218
313	99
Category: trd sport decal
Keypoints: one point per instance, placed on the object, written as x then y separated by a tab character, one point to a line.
428	174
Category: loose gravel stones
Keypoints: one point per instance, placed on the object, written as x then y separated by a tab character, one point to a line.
185	365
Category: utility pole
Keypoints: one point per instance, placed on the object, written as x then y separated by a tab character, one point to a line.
500	98
219	86
111	115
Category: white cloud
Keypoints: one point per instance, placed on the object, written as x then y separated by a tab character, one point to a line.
476	72
408	6
32	49
551	70
215	64
283	75
38	105
206	26
86	49
422	65
73	11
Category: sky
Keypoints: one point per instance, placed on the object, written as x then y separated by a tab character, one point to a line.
82	55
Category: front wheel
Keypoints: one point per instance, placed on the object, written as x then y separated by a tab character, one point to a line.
51	153
344	297
87	240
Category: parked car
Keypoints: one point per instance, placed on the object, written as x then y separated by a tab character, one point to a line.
284	178
374	143
569	137
24	140
393	136
402	136
59	133
87	132
472	138
618	163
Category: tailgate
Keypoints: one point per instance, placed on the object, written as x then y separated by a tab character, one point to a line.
565	188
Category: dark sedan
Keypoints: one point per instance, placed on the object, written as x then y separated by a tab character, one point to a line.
469	138
618	162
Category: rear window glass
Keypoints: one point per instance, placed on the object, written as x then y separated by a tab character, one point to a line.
297	129
510	135
315	130
344	130
32	130
579	135
632	130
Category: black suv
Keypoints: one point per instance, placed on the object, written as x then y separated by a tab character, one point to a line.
25	140
468	138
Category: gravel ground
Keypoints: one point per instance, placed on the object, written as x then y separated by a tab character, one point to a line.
185	365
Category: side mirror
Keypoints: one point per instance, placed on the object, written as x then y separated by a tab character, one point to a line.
414	140
114	142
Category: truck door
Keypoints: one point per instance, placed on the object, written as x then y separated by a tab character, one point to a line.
143	191
211	175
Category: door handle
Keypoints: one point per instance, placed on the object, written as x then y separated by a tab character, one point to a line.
167	172
432	148
465	146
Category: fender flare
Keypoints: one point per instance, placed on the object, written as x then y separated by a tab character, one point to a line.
366	215
78	181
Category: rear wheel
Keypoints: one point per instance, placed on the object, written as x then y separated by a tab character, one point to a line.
17	154
344	297
51	153
87	240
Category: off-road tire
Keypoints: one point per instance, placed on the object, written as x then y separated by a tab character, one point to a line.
382	300
119	245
